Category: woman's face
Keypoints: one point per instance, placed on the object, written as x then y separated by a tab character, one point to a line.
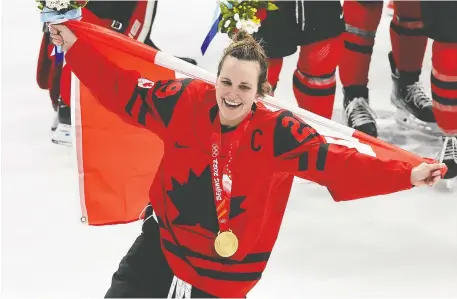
236	89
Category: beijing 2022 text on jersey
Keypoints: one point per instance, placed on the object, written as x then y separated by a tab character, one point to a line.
275	147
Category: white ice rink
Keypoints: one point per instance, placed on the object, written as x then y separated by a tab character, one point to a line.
397	246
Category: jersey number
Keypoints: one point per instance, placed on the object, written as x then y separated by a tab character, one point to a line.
296	128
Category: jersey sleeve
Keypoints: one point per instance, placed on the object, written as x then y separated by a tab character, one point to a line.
137	100
348	174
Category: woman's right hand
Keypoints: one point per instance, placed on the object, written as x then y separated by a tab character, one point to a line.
62	36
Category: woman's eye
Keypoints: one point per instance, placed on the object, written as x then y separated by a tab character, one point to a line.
226	82
245	87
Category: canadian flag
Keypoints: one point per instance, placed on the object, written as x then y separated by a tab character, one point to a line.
117	162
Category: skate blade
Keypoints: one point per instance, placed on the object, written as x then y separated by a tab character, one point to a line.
409	121
62	135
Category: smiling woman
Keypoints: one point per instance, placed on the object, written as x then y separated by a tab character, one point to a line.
219	197
242	77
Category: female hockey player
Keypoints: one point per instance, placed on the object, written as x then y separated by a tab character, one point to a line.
213	240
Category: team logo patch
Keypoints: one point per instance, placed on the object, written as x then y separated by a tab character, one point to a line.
145	83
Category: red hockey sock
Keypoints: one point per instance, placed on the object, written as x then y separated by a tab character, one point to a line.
407	37
44	63
314	81
444	86
65	85
274	69
362	21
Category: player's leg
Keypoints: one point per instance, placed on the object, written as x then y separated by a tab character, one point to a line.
362	20
440	22
48	73
409	42
320	38
143	272
44	60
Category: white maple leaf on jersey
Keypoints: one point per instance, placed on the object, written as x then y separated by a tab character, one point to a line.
145	83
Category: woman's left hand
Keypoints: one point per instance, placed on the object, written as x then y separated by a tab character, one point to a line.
62	36
426	174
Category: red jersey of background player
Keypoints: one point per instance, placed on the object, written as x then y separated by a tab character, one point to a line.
275	146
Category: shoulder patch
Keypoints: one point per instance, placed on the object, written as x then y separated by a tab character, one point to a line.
166	95
290	132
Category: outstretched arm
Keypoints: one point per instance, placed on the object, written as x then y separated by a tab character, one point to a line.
135	99
347	173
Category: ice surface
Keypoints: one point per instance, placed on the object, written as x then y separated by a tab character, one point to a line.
401	245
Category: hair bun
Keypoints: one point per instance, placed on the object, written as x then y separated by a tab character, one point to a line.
242	36
245	47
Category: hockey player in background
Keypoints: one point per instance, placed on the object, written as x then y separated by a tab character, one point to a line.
440	22
408	42
209	241
409	32
315	27
52	75
132	18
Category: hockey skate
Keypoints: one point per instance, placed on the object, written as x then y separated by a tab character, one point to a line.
62	133
358	115
448	156
414	107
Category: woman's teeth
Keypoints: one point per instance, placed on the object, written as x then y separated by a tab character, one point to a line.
231	104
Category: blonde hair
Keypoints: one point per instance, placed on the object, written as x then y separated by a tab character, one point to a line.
245	47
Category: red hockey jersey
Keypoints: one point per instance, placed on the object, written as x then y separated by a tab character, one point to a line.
275	147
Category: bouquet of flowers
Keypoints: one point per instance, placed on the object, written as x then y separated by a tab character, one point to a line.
59	11
60	6
247	15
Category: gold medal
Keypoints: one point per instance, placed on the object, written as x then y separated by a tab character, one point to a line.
226	244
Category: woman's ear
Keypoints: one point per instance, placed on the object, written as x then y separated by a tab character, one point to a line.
266	90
